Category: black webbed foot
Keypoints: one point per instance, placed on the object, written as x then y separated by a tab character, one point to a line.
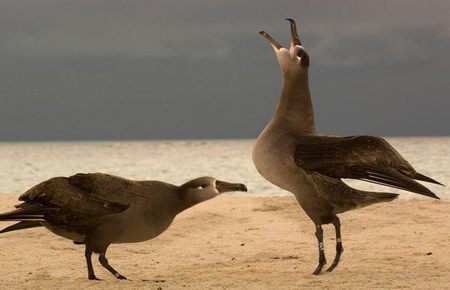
320	267
120	277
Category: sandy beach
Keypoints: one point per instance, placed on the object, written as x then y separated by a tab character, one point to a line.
235	242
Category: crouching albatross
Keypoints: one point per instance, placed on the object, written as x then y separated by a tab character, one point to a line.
290	154
100	209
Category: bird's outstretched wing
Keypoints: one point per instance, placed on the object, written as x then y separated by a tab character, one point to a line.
92	194
366	158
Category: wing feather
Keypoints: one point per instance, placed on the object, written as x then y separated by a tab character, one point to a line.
92	194
366	158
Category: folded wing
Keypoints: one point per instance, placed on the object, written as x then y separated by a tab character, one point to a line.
93	194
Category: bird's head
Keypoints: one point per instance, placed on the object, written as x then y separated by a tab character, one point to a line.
204	188
294	62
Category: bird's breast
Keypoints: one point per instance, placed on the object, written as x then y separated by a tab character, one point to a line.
142	229
273	155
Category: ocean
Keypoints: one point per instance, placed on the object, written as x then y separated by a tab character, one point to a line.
23	165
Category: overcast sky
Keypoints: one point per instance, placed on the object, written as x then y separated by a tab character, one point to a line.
90	70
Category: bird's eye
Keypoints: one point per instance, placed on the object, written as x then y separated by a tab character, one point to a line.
202	186
301	53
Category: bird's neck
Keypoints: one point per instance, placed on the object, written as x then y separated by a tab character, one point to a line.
186	198
164	198
178	203
295	107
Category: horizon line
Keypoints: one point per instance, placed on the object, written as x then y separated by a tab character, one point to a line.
183	139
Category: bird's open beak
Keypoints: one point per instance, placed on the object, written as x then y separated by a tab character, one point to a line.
223	186
272	41
295	40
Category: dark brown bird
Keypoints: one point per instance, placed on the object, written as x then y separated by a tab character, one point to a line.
98	210
292	156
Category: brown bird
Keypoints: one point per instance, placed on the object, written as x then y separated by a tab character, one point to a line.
290	154
98	210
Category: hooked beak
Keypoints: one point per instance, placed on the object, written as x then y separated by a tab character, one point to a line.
295	40
272	41
223	186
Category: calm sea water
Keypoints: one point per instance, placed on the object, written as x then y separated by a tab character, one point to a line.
22	165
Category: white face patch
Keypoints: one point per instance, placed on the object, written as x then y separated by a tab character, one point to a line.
208	188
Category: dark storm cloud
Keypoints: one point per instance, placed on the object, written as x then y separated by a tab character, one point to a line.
198	69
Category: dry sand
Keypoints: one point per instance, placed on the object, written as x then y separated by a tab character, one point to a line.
248	243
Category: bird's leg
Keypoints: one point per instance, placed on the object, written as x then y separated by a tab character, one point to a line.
102	259
322	260
88	255
339	248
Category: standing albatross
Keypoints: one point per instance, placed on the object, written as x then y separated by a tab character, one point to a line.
100	209
290	154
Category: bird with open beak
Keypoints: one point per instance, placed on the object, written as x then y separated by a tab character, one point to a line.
290	154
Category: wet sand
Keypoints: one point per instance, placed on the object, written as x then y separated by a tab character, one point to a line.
248	243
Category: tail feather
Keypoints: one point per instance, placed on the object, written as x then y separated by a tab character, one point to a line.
355	198
21	226
367	198
385	196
